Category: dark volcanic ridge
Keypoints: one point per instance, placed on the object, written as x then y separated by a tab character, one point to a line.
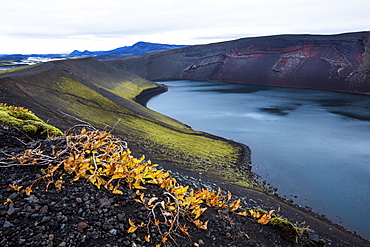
327	62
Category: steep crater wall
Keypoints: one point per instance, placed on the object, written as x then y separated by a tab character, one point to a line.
328	62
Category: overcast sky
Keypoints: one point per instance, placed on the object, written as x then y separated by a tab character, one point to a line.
47	26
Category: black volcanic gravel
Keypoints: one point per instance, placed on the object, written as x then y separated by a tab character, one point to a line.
82	215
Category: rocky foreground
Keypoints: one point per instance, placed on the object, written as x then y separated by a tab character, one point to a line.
80	214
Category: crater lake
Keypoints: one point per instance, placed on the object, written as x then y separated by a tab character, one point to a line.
313	145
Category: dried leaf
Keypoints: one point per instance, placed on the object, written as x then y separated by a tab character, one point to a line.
132	229
255	214
151	200
228	196
200	224
28	190
132	226
244	213
198	212
265	218
118	192
8	201
15	187
58	184
184	230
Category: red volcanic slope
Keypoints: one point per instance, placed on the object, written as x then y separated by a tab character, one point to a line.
329	62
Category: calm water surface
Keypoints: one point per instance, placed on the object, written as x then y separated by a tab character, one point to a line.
310	144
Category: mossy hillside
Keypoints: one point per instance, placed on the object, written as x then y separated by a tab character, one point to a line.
17	68
158	140
128	89
112	83
26	121
7	63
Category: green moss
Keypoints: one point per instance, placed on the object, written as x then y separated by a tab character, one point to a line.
288	229
27	121
29	128
24	115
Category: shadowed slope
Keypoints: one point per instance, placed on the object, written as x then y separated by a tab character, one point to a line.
328	62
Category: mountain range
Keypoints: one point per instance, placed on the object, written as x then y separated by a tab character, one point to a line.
138	49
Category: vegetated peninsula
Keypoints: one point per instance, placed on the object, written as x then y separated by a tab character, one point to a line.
328	62
88	91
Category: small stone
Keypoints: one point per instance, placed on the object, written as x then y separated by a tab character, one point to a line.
200	241
13	196
7	224
32	199
121	217
104	203
37	237
44	209
11	209
79	200
107	226
22	241
45	219
62	244
81	226
113	232
313	236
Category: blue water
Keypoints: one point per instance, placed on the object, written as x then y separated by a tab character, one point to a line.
313	145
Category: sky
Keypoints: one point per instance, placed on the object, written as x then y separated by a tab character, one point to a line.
46	26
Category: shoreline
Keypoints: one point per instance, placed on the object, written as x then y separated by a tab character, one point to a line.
293	211
245	157
147	94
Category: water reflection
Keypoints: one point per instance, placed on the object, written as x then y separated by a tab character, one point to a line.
309	143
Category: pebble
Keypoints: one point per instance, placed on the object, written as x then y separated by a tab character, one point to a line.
104	203
121	217
107	226
62	244
32	199
113	232
81	226
7	224
11	209
44	209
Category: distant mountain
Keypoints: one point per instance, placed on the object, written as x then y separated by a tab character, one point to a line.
138	49
329	62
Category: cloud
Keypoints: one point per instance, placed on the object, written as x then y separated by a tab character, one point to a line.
105	24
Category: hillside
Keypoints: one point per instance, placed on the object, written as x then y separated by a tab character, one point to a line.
107	97
328	62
